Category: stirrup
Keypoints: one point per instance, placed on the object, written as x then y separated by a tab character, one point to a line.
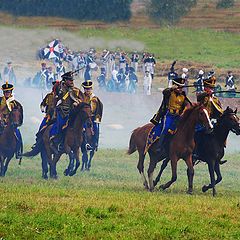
88	147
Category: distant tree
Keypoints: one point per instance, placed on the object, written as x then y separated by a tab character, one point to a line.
169	11
105	10
225	3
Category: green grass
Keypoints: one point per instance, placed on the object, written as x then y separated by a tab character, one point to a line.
109	202
206	46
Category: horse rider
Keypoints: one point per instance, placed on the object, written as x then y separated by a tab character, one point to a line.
199	83
211	104
229	84
208	99
96	109
66	99
165	120
7	103
172	74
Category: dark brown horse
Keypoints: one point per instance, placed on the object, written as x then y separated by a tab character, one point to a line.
211	146
8	139
181	145
72	142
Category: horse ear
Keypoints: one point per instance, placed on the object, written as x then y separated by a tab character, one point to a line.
235	111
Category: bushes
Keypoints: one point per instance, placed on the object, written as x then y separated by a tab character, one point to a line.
105	10
225	4
169	11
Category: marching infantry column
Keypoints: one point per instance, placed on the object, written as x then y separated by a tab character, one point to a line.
7	103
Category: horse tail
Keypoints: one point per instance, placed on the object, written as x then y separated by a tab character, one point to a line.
132	145
36	149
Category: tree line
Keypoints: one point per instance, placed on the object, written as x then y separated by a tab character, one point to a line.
103	10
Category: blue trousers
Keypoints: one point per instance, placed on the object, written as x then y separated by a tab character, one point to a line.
58	125
169	122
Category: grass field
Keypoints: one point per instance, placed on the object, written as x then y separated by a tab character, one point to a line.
109	203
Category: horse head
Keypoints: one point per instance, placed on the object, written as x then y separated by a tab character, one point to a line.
16	116
83	112
231	120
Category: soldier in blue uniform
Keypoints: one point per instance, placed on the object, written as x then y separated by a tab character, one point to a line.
172	74
199	83
7	103
230	82
166	119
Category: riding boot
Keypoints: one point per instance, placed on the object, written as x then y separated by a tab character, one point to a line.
160	143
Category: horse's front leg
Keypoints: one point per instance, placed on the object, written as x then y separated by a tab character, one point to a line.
152	165
1	166
6	164
44	164
90	159
70	166
212	179
218	172
84	160
163	166
53	166
190	173
174	161
140	168
76	155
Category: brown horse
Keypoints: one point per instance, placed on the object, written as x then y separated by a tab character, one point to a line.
181	145
8	139
72	142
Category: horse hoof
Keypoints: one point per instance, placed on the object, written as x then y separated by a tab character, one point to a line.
72	173
66	172
54	177
190	192
162	187
87	169
45	176
204	188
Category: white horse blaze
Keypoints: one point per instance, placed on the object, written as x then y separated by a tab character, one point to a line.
209	122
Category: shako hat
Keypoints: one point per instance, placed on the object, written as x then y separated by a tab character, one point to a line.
179	81
87	84
7	87
67	76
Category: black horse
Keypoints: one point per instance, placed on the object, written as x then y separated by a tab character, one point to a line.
211	147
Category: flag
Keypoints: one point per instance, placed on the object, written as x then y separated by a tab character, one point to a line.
52	50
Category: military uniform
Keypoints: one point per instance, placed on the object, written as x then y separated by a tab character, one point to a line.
67	97
96	109
168	115
6	106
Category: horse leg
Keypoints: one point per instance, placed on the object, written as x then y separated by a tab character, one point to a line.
212	178
70	165
90	159
84	160
44	164
76	154
152	165
2	166
140	168
190	174
174	160
6	165
163	166
53	166
218	172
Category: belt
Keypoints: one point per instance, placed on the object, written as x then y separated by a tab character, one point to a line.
174	111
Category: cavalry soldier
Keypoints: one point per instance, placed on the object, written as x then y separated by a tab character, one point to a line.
207	98
67	97
212	105
96	108
7	103
165	120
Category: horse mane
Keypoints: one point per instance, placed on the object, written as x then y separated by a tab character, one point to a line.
75	111
187	113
